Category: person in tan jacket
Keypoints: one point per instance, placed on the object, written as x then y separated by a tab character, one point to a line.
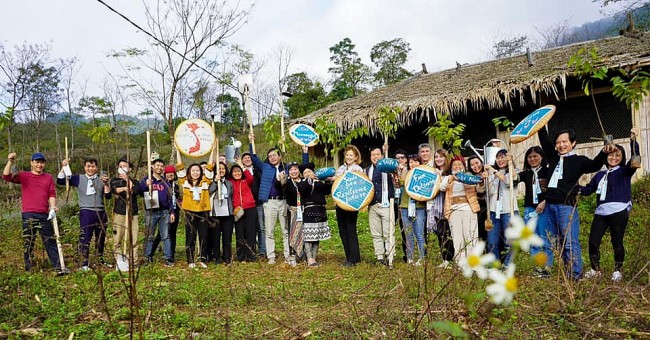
460	208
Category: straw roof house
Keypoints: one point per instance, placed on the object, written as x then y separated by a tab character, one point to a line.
494	85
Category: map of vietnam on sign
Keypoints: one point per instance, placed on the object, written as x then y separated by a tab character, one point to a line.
194	138
352	191
303	135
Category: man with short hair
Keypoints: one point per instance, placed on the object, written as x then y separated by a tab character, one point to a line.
426	154
381	216
122	187
159	211
92	189
272	196
38	208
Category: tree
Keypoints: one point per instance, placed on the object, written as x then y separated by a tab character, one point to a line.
15	67
350	75
43	96
509	47
389	57
232	116
72	93
306	95
185	33
97	107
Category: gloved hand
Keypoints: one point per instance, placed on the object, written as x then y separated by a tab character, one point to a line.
51	215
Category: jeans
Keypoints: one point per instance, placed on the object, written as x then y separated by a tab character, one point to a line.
173	230
564	223
541	229
92	223
158	218
414	231
497	239
33	222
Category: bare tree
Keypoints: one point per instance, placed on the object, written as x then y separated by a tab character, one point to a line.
73	91
185	32
17	82
554	35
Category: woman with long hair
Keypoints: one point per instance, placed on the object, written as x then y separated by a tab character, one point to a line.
499	182
196	206
436	220
535	177
221	213
245	213
475	167
413	216
347	220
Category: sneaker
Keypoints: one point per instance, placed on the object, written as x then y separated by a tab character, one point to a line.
617	276
291	261
271	260
418	263
541	273
148	261
314	265
445	264
409	261
84	269
381	262
203	265
62	271
348	264
169	263
592	273
389	264
192	265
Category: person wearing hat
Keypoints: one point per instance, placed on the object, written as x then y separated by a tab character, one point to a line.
170	176
294	212
460	209
159	210
122	188
314	214
92	190
38	196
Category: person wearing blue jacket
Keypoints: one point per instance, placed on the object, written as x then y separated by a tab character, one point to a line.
159	211
613	187
271	194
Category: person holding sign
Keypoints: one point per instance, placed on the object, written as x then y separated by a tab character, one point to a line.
566	168
460	209
347	220
92	214
381	217
196	205
125	191
159	211
613	187
413	217
38	209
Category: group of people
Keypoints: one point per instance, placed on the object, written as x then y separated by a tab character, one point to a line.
250	196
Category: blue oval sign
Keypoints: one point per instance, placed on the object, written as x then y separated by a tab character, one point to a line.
303	135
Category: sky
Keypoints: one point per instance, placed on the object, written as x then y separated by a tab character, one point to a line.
440	32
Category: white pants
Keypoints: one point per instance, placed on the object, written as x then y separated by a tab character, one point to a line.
464	232
276	210
382	230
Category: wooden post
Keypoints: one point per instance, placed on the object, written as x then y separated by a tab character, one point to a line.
67	180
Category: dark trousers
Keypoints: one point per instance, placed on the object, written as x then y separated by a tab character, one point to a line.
33	223
222	227
196	223
444	240
347	221
398	216
173	229
246	233
616	223
92	223
482	216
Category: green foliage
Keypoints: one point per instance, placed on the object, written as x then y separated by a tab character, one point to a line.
449	327
98	133
273	131
445	132
629	87
387	120
306	95
389	57
503	122
332	139
7	118
350	74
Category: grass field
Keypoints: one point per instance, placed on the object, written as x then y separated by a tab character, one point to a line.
255	300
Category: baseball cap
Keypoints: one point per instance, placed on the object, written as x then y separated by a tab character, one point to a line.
38	157
170	169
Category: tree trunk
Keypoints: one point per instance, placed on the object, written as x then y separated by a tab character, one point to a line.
170	120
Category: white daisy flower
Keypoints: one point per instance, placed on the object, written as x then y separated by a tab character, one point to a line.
523	233
476	261
504	287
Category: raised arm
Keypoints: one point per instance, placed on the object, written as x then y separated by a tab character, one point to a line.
6	173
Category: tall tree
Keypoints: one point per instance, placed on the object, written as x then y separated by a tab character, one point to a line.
232	116
16	66
190	28
350	74
43	97
307	95
389	57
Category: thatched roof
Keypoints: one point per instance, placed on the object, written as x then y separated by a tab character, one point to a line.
490	85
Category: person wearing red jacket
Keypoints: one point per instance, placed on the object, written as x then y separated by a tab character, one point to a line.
245	225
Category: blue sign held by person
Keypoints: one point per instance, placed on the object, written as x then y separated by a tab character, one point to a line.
303	135
422	183
352	191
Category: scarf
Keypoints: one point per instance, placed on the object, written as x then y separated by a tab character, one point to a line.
559	169
536	188
602	185
385	203
224	190
90	188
